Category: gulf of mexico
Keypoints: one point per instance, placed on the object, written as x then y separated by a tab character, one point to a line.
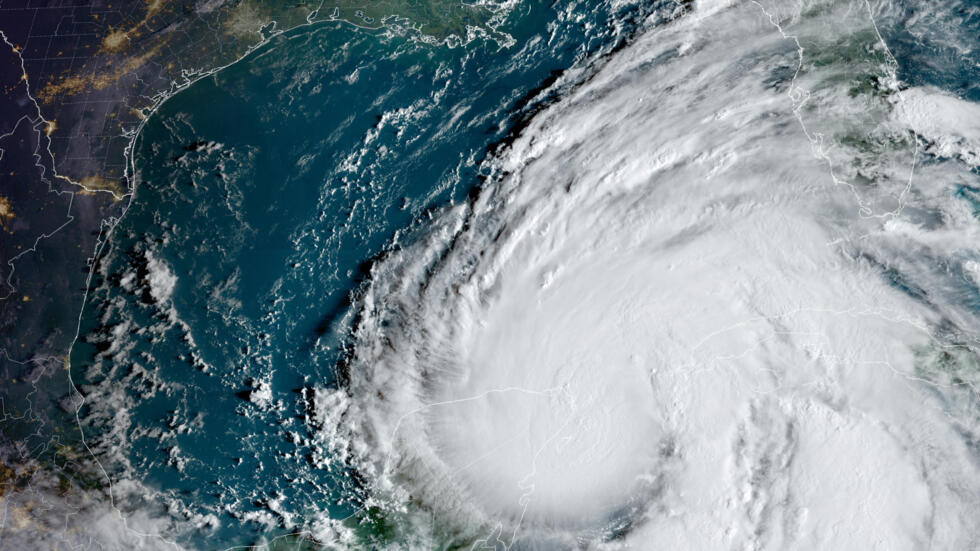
264	194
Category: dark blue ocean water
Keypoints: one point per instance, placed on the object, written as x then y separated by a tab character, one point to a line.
937	44
266	191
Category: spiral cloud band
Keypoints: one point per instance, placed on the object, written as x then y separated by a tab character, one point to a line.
712	298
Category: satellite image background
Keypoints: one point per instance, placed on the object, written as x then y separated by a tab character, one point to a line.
597	274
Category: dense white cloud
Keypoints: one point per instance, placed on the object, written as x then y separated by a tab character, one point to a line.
693	309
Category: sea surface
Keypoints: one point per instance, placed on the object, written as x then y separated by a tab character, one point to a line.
264	193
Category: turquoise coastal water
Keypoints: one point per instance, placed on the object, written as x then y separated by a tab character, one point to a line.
264	194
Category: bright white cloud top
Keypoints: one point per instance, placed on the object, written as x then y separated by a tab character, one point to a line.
713	298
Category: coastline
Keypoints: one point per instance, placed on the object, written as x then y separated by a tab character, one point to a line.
121	203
